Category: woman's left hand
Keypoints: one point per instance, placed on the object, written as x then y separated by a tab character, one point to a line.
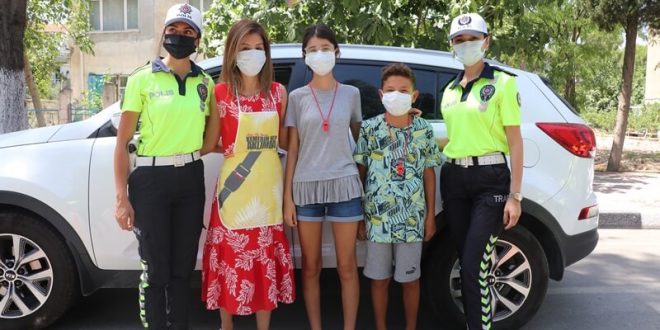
512	212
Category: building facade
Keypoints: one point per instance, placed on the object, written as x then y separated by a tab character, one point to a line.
126	35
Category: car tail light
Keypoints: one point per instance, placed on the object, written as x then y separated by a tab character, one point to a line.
588	212
578	139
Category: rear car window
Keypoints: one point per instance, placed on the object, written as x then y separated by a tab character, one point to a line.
366	77
563	100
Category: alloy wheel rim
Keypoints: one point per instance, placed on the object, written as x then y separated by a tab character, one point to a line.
510	280
26	276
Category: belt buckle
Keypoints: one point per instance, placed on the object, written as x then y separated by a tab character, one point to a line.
179	160
241	171
465	162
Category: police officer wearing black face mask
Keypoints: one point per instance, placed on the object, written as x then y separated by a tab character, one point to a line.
162	200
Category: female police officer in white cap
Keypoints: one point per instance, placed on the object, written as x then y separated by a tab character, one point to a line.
481	109
164	202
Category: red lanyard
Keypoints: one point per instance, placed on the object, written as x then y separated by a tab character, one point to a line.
399	167
326	124
405	135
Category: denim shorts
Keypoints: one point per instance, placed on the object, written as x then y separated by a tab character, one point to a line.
347	211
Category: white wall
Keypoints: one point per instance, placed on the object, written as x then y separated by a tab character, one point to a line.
652	91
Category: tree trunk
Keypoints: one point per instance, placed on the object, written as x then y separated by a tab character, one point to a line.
34	93
569	85
13	116
614	162
569	90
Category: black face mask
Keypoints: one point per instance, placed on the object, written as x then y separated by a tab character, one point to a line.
179	46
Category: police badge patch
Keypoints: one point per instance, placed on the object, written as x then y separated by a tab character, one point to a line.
203	93
487	93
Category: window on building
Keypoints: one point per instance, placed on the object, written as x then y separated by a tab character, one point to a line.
114	15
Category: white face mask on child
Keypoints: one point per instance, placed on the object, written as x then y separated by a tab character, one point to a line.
397	103
321	63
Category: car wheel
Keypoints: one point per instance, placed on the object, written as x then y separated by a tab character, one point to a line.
520	274
37	275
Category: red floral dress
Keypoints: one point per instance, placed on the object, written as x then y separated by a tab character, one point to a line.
245	270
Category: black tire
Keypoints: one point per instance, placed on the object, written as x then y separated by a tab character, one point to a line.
64	288
441	259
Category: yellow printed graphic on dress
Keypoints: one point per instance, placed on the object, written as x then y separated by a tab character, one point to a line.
257	201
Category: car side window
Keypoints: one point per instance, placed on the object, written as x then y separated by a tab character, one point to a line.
366	77
283	75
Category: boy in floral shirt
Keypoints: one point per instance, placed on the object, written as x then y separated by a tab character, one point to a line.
396	154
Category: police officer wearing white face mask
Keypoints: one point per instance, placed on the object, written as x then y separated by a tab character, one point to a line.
481	195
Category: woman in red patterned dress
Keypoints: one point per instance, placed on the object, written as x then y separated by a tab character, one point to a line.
247	265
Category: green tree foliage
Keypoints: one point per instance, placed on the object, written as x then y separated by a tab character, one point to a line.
599	74
42	47
556	39
419	23
629	15
408	23
639	77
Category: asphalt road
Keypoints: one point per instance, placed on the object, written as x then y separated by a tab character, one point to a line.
616	287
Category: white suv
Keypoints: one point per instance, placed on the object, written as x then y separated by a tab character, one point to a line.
58	236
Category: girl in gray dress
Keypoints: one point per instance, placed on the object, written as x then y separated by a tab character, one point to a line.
321	180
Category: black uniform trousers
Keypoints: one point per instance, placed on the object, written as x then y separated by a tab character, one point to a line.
473	206
169	209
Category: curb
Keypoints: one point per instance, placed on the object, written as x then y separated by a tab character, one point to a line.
626	220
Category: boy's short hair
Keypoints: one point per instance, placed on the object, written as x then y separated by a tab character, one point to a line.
397	69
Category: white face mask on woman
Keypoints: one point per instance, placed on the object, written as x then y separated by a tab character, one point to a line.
397	103
251	61
321	62
469	52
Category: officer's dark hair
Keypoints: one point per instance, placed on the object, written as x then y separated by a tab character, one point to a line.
320	31
397	69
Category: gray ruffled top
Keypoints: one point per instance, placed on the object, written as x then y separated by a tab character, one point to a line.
325	171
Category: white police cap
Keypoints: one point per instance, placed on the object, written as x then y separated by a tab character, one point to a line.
186	13
471	23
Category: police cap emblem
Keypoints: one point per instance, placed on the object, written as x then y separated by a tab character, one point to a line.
465	20
185	9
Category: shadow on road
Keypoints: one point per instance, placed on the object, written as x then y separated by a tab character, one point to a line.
117	309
